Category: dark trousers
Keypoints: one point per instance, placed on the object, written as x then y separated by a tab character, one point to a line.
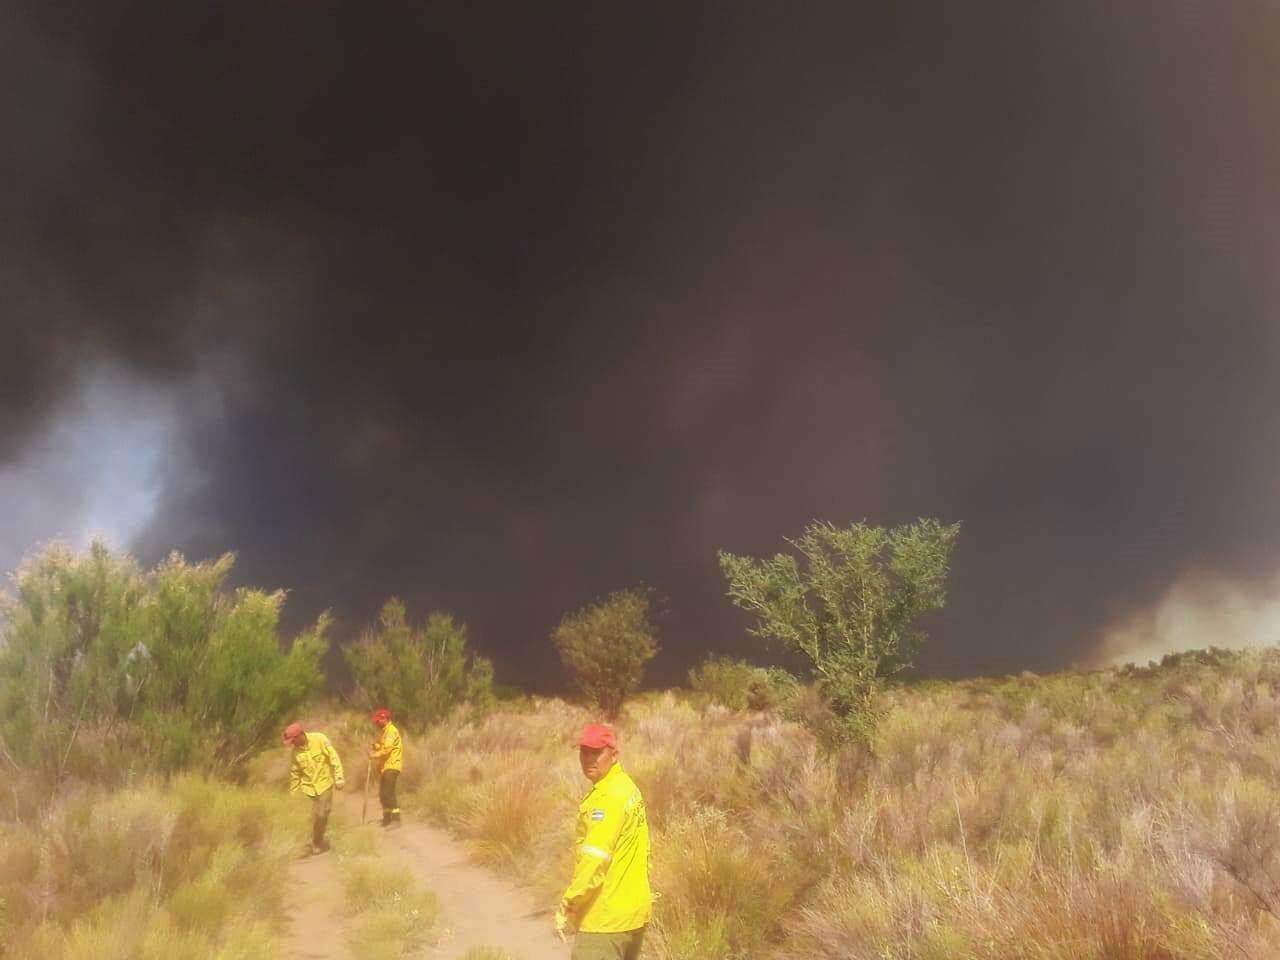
387	795
608	946
321	807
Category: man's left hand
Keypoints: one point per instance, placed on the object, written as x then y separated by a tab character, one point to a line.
562	925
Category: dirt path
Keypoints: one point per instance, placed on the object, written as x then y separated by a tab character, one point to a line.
477	907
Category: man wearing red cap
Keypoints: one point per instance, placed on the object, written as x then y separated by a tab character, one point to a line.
608	901
388	754
315	772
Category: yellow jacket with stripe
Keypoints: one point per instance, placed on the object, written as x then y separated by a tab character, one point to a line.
609	892
316	767
390	748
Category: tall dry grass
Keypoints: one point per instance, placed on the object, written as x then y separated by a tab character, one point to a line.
192	869
1118	816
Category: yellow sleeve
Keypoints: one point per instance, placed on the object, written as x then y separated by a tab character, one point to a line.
295	776
386	742
599	827
335	762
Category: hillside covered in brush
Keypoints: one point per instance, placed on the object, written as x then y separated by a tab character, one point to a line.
1128	815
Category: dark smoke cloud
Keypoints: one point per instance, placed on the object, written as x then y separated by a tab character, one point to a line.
500	309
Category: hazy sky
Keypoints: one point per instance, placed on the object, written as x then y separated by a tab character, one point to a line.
501	306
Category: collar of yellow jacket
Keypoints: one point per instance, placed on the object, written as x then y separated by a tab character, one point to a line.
612	773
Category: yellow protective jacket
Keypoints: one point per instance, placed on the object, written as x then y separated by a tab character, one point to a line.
610	888
316	767
390	748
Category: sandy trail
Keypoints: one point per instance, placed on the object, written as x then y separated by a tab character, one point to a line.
478	908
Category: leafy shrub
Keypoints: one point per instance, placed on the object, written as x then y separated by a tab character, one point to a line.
606	646
739	685
104	666
850	605
421	674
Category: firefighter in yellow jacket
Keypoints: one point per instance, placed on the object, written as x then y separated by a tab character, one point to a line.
315	772
608	901
388	755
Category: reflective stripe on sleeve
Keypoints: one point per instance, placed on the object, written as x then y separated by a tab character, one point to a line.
596	852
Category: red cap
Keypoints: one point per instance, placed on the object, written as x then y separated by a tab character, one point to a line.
381	715
597	735
292	732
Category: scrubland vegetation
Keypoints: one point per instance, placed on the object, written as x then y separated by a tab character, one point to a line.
108	671
113	682
186	870
1117	815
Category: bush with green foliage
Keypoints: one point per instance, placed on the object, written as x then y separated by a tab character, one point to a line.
606	646
739	685
103	664
421	674
849	604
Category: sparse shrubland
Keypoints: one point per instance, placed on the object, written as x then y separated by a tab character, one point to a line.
1124	814
1116	815
113	680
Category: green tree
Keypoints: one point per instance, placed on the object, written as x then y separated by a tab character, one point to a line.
165	668
421	674
606	646
849	603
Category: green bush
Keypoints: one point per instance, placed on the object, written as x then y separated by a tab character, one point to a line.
739	685
606	646
104	666
421	674
850	605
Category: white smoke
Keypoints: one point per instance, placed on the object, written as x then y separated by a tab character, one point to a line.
1196	613
95	469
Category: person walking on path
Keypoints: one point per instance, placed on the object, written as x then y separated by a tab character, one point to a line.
316	771
388	755
608	902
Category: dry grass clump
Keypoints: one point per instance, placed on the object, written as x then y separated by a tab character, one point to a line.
391	917
1121	815
193	870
